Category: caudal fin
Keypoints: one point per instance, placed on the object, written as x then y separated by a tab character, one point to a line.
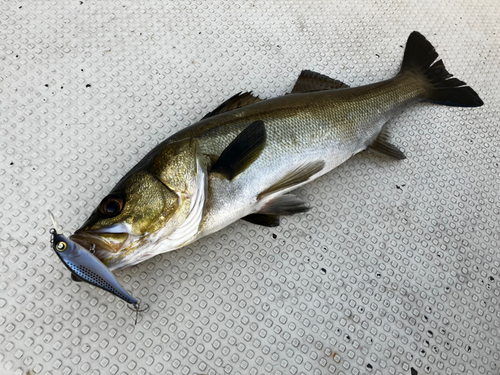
420	58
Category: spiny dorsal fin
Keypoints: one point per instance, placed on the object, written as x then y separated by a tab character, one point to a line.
382	146
264	220
309	81
295	177
237	101
242	151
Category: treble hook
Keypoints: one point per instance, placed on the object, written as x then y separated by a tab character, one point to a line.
137	308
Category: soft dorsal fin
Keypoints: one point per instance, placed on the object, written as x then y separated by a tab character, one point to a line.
242	151
309	81
237	101
295	177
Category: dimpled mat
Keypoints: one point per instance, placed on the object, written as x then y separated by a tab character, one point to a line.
395	270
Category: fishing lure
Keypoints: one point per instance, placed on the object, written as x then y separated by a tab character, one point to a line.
85	266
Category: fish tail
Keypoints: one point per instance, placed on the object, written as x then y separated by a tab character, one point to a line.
441	87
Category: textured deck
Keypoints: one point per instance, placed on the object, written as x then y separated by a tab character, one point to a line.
395	270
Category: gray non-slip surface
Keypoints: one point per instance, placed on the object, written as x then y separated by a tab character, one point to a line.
395	270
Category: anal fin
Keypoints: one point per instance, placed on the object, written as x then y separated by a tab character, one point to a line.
295	177
242	151
382	146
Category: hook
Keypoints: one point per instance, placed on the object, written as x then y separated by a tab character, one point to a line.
137	308
53	219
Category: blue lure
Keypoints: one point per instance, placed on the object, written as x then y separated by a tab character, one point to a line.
85	266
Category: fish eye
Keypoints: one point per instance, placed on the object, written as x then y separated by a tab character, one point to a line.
61	246
112	205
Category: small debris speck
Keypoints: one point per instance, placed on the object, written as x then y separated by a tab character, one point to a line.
88	85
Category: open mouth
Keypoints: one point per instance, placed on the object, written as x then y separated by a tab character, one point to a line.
108	242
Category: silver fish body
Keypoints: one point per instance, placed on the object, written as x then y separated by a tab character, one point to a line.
242	160
323	127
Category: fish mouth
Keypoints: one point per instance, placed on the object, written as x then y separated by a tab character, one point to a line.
102	242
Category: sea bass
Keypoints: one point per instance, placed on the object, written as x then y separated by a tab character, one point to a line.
242	160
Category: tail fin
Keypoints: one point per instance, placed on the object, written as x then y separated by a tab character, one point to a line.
420	57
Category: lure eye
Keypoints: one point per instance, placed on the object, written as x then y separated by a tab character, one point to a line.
61	246
112	205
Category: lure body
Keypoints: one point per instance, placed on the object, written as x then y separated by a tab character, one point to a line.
87	267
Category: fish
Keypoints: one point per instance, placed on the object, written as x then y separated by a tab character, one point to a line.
243	159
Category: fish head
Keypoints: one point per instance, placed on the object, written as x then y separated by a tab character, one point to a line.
160	201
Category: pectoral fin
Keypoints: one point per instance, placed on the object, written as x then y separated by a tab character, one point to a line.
242	151
382	146
295	177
